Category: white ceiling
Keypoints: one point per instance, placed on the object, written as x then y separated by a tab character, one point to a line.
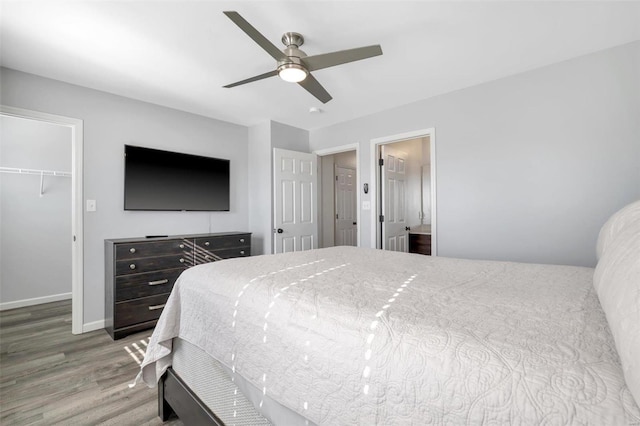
180	54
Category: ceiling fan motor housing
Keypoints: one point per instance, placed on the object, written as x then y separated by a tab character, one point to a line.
293	41
292	38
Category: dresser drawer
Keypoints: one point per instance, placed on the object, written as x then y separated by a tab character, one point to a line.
152	248
222	242
139	310
149	264
203	256
133	286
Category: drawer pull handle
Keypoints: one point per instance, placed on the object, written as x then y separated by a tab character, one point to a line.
242	240
132	250
181	246
156	307
181	260
241	251
158	282
132	266
206	243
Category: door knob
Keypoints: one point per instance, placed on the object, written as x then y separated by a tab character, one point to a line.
279	231
407	228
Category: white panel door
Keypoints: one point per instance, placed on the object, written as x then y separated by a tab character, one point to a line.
346	228
294	201
394	185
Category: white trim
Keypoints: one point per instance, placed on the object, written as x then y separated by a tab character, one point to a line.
434	210
402	136
93	326
77	220
373	186
34	301
337	150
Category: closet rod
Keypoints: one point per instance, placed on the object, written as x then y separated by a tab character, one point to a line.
41	173
34	172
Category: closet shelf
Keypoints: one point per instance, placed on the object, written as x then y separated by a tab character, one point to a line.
41	173
34	172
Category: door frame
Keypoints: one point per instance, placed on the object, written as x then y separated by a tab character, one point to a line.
77	220
375	178
338	150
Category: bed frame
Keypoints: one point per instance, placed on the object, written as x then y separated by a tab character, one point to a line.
174	396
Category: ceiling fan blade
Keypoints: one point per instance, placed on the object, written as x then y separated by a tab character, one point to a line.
326	60
256	36
315	88
256	78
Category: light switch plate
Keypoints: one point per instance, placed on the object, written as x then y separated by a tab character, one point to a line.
91	205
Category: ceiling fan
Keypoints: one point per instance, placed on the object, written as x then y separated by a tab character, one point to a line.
293	64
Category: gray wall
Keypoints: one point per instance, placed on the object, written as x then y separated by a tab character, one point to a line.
262	139
260	210
528	167
110	122
35	232
288	137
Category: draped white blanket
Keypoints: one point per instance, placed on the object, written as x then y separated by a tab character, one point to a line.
361	336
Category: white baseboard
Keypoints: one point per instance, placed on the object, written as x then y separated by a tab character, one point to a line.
35	301
92	326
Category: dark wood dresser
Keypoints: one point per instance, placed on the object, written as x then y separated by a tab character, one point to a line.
140	273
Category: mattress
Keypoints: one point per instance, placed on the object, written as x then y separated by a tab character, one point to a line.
360	336
233	401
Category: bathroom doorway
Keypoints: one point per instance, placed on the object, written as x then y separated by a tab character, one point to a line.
338	196
404	173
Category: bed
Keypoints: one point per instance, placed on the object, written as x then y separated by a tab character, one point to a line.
350	335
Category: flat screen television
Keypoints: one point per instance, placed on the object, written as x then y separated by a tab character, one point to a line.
172	181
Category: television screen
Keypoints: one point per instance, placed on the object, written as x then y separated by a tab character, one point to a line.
163	180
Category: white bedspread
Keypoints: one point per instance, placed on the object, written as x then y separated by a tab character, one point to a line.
361	336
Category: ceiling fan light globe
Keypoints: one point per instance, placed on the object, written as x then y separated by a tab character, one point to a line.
292	73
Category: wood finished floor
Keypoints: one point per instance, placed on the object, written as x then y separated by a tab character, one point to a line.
49	376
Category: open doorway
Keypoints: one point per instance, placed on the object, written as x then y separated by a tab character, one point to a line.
404	174
73	128
338	197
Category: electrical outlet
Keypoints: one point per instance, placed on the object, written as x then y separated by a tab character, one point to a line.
91	205
366	205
